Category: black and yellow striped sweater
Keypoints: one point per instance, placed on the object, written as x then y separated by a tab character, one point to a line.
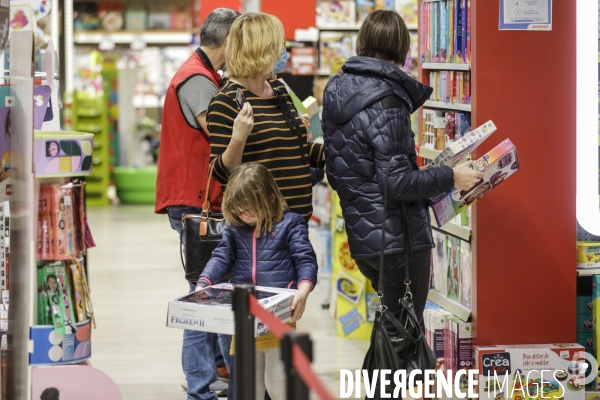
271	143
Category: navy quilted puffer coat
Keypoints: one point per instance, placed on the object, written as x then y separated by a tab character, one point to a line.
284	257
366	126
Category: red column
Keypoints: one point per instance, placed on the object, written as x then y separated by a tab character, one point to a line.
525	282
296	15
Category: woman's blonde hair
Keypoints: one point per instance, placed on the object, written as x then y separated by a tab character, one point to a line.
251	188
254	45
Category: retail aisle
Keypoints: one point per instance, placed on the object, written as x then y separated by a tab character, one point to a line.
133	274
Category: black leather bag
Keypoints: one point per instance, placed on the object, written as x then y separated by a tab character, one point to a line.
203	233
398	343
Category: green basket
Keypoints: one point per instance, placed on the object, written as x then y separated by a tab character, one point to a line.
136	185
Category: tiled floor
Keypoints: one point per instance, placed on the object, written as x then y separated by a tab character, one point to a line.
133	274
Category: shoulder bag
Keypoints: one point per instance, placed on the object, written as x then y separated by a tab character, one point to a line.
397	343
202	232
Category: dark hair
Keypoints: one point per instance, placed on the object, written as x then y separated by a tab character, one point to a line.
384	35
216	26
50	394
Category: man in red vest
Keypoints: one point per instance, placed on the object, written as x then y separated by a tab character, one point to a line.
183	169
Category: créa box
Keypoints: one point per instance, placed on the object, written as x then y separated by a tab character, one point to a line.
209	309
522	372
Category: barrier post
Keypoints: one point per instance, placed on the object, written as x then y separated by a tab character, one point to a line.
245	356
296	388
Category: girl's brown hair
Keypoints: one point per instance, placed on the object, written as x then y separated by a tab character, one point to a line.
384	35
251	187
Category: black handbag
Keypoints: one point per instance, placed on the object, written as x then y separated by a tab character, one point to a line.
397	343
202	232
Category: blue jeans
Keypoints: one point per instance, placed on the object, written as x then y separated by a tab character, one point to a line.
199	348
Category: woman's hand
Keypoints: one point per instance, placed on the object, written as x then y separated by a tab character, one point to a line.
465	177
243	124
299	302
305	120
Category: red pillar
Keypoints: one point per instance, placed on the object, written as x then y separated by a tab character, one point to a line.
525	279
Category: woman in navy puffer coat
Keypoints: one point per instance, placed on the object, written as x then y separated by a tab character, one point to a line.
366	126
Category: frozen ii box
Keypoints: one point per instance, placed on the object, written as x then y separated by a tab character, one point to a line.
209	309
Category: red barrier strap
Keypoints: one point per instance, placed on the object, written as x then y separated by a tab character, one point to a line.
299	358
274	323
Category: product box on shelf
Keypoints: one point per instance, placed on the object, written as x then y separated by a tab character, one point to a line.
159	21
525	366
588	254
62	153
497	165
209	309
50	347
336	13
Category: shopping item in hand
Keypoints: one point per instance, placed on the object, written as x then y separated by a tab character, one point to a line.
497	165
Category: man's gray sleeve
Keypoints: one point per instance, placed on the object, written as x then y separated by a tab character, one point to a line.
195	96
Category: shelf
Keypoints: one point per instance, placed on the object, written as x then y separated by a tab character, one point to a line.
448	106
463	232
355	27
323	72
126	37
148	101
449	305
429	153
446	66
588	272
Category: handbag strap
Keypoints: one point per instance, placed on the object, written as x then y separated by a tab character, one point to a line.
407	247
207	207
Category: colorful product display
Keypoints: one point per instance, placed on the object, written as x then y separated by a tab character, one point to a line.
445	31
451	87
65	314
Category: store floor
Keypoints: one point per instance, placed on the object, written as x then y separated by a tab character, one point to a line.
133	273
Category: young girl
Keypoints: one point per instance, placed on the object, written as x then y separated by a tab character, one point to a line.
266	245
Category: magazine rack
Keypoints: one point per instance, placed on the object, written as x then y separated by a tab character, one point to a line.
23	379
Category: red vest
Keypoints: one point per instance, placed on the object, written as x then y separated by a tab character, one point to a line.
184	150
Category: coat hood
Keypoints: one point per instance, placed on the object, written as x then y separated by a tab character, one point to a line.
366	80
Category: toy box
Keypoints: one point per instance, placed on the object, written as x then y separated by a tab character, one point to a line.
523	365
463	145
497	165
209	309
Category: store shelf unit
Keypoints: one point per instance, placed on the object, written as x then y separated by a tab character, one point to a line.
513	246
446	66
449	305
429	153
447	106
90	115
127	37
462	232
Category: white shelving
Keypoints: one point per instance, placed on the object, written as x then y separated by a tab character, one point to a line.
324	72
429	153
448	106
449	305
463	232
588	272
447	66
354	27
148	37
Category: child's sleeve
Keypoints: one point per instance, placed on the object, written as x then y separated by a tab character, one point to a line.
221	260
302	252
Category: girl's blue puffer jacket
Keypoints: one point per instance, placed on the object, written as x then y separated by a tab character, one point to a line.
366	128
285	257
